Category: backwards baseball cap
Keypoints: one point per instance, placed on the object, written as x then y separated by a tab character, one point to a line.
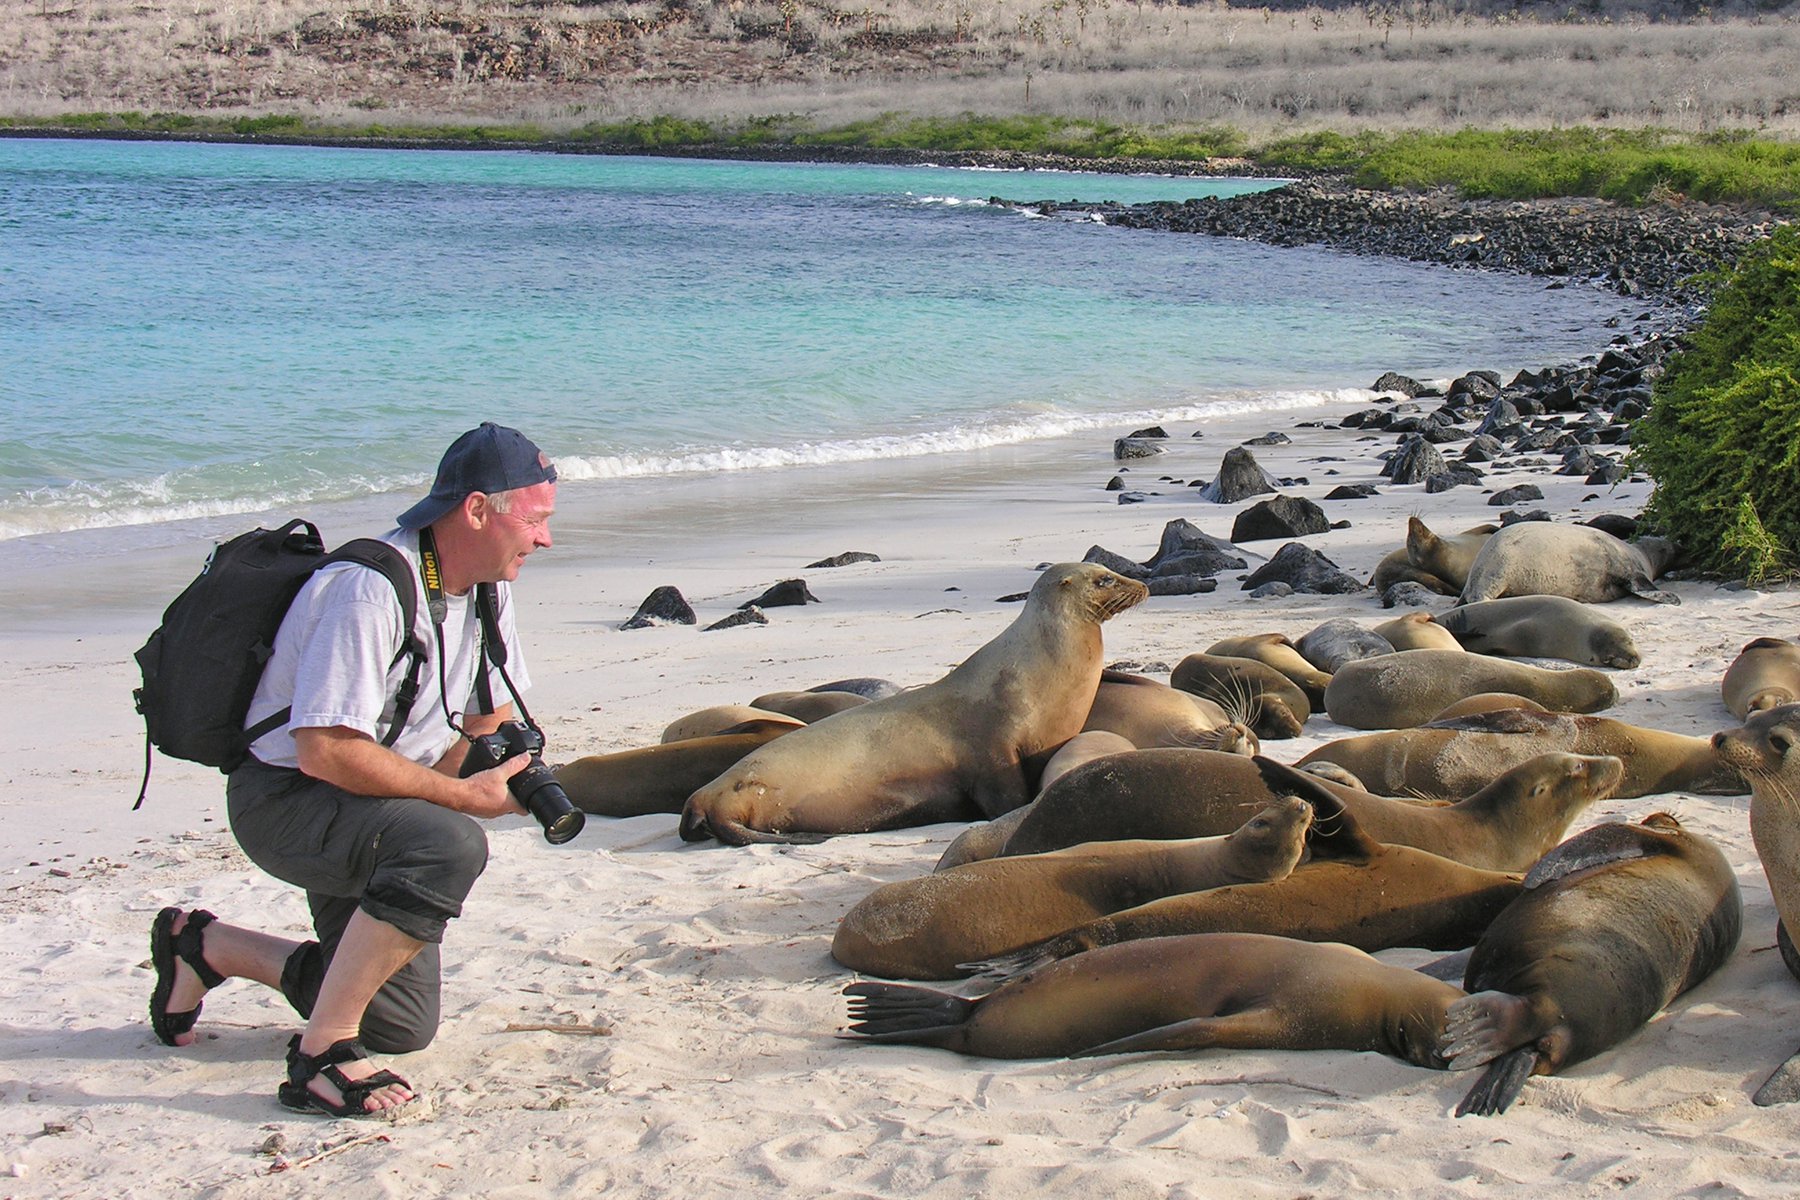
489	459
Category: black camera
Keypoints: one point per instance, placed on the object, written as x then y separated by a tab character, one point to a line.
535	787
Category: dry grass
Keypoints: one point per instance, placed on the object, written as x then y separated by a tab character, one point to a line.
1389	66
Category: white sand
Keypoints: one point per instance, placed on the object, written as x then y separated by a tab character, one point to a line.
721	1075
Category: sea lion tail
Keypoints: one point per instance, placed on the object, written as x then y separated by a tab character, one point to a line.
897	1012
1500	1084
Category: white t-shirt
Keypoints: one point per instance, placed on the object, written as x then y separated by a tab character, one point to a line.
332	659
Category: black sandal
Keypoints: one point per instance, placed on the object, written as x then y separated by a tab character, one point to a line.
304	1068
165	947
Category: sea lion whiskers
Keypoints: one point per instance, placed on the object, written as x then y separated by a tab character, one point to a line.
1777	786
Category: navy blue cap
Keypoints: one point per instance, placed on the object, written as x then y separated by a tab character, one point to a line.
489	459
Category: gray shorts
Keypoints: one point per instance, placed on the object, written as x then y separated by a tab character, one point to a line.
406	862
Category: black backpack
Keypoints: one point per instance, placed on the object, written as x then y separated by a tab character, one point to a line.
202	665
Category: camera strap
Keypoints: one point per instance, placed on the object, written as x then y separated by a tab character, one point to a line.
492	644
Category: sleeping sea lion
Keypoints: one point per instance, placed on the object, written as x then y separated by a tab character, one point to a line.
808	706
1448	558
1275	650
1274	706
710	722
1398	691
1612	925
949	750
1416	631
659	779
1149	713
1538	558
1482	702
1765	674
1541	627
1224	990
1447	759
922	928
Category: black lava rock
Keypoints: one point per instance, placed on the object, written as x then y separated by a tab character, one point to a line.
664	606
1282	517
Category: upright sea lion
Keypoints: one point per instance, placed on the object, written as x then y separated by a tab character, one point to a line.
1503	826
1444	760
1275	650
1416	631
949	750
1398	691
1353	890
1231	991
1273	705
922	928
1541	627
1447	558
1612	925
1538	558
1765	674
659	779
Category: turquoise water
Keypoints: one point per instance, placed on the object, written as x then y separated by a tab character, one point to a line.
189	330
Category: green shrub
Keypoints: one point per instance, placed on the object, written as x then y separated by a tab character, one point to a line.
1722	438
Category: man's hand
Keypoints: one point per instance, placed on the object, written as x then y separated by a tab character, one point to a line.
357	763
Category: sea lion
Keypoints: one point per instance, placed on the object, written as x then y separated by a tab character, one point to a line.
1538	558
1337	642
1084	747
922	928
1398	691
1765	674
949	750
1397	567
1416	631
1149	713
1444	760
1448	558
659	779
984	839
710	722
1503	826
1541	627
1761	751
1482	702
1612	925
1273	705
808	706
1353	890
1275	650
1225	990
868	687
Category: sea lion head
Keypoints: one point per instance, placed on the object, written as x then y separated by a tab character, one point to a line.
1542	795
1235	738
1086	590
1268	846
1611	646
1762	750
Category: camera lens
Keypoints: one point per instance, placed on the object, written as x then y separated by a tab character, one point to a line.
536	788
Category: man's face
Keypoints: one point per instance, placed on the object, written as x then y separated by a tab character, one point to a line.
509	537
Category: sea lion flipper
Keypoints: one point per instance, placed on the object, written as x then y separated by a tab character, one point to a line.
1334	832
1595	848
1196	1033
1483	1027
1641	587
1500	1084
896	1012
1026	959
1782	1087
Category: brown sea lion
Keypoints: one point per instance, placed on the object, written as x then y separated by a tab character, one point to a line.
1278	652
1541	627
1353	890
1483	702
710	722
659	779
1274	706
1539	558
1446	557
1149	713
1399	691
1502	826
1765	674
922	928
1612	925
1084	747
1224	990
983	840
1416	631
809	706
1396	566
1444	760
949	750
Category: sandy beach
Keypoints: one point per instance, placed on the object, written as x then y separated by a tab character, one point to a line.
692	995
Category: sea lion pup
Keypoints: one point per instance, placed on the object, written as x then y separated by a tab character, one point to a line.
1447	759
1541	627
1537	558
1224	990
984	839
1761	751
1448	558
1765	674
1275	650
1503	826
1274	705
1396	567
1332	644
949	750
1480	702
710	722
659	779
921	928
1148	713
1399	691
1353	890
1612	925
1416	631
809	706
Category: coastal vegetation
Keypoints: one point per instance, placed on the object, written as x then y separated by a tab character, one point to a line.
1722	438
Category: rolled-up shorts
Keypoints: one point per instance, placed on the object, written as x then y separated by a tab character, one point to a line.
406	862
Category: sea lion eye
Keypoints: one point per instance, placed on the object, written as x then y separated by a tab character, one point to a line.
1780	743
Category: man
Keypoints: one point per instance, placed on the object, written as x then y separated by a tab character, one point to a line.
381	836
